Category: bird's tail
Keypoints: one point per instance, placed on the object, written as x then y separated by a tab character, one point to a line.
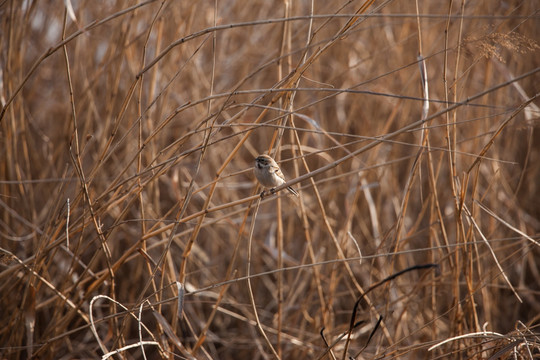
292	191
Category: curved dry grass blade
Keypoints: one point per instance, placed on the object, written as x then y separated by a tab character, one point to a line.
326	344
250	289
338	339
373	287
370	336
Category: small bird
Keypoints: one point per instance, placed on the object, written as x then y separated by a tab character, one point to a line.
269	174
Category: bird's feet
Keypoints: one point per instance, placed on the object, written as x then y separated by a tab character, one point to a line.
272	191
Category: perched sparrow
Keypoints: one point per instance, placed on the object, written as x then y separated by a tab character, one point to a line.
269	174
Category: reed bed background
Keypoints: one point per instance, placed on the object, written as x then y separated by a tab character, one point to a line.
131	224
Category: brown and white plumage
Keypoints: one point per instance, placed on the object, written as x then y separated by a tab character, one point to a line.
269	174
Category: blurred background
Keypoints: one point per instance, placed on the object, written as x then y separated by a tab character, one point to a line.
130	221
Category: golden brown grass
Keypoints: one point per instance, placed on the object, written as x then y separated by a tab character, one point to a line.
130	221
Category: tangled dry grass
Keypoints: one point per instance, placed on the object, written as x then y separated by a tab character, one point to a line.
131	225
